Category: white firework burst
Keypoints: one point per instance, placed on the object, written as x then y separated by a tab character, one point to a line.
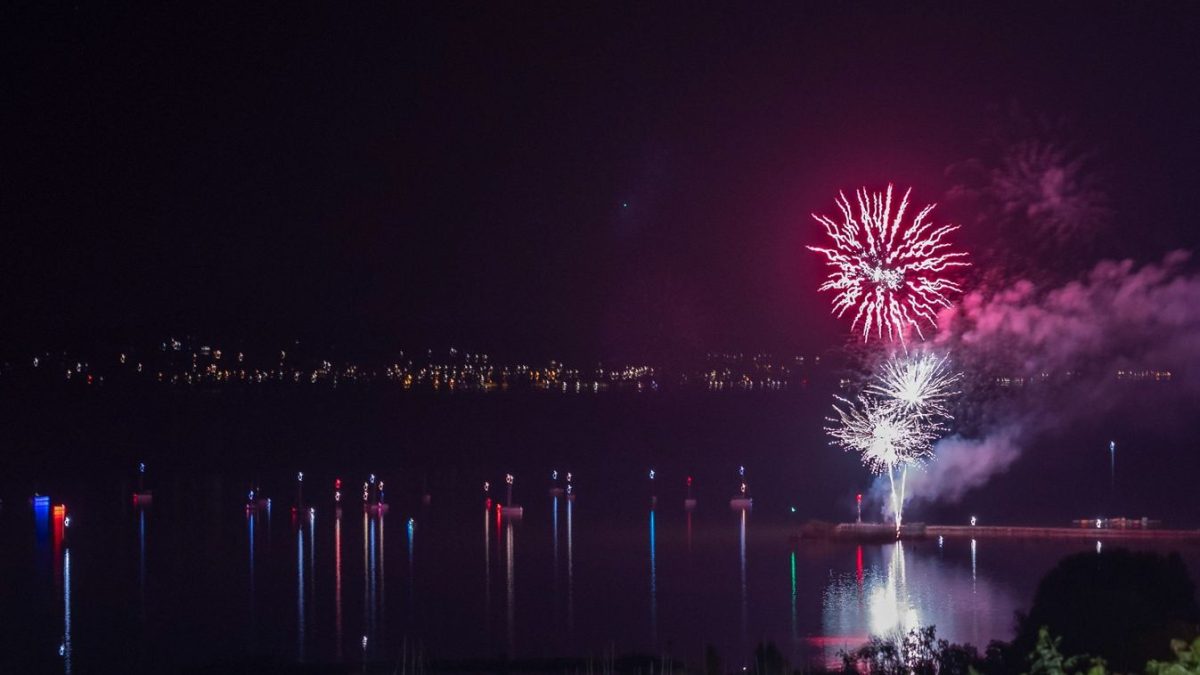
895	274
919	384
887	438
884	435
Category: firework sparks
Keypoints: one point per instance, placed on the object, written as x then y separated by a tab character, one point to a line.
921	384
883	434
887	439
894	274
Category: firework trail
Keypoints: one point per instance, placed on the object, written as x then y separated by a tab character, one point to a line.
887	438
895	275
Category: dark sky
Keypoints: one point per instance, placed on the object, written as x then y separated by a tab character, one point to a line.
595	180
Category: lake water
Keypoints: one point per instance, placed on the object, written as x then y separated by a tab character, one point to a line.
195	578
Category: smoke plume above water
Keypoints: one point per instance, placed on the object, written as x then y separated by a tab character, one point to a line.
1042	359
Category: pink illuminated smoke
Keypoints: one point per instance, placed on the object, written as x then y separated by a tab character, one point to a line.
893	275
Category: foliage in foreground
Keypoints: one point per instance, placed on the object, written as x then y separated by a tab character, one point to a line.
1187	660
916	652
919	652
1124	605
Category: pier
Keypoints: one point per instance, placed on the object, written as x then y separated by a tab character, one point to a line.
877	531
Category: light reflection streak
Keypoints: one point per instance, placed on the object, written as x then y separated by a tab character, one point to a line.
745	596
380	595
337	581
509	586
972	565
300	627
653	584
372	582
142	564
66	644
554	521
570	569
251	516
366	581
62	577
312	554
795	628
487	572
412	570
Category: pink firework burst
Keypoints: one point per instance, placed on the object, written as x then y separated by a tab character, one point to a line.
895	275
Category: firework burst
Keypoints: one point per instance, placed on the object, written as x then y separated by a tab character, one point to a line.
895	275
887	438
918	384
882	433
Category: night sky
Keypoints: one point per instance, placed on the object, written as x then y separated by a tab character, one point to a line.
590	180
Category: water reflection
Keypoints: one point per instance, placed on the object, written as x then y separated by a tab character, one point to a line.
300	627
903	587
510	605
412	571
795	628
251	516
337	582
487	572
62	563
653	585
554	528
570	569
368	539
142	562
891	608
745	597
373	573
65	649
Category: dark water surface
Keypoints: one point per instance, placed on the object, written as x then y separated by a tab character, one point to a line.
196	578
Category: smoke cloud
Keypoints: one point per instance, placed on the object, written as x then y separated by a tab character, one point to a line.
1075	346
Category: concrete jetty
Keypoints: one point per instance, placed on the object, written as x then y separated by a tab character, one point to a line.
878	531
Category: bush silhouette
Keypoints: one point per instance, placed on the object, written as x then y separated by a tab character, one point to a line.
1120	605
